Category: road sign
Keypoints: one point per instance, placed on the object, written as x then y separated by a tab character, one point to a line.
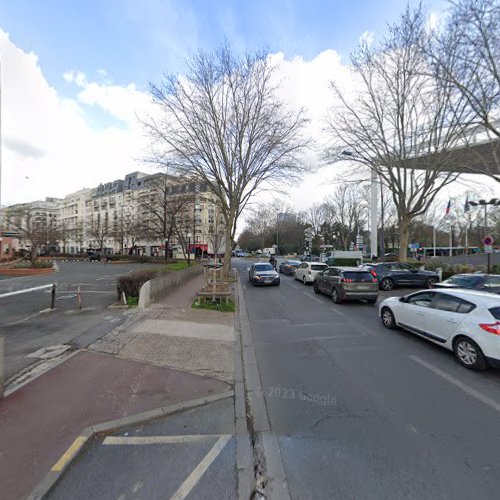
488	249
488	241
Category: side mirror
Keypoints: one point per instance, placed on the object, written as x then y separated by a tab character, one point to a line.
414	270
402	299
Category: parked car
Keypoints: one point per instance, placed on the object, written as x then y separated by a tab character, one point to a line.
466	322
391	274
288	266
263	274
308	270
347	283
478	281
93	255
310	258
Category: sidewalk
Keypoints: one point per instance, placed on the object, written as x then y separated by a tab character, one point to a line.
170	353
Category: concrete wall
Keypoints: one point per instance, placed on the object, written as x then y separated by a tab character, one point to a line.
157	288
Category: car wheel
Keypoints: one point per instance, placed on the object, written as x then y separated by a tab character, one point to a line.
430	282
304	280
386	284
335	296
469	354
316	288
388	318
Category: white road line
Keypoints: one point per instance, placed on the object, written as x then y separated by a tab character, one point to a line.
200	469
140	440
314	298
293	286
466	388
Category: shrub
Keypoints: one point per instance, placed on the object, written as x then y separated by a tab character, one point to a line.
38	264
343	262
131	284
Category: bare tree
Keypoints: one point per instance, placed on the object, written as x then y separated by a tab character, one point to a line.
100	229
224	124
343	211
30	224
467	57
161	207
400	114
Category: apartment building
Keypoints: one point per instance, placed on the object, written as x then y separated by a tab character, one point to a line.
147	214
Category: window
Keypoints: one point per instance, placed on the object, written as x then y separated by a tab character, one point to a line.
303	266
444	302
492	282
332	272
495	312
423	299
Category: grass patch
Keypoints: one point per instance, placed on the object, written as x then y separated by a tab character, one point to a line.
132	301
173	266
214	306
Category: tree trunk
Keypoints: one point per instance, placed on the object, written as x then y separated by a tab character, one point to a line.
404	235
226	269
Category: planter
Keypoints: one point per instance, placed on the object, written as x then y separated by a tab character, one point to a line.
26	272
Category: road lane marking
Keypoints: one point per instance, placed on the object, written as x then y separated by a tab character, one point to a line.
69	453
293	286
314	298
141	440
193	478
466	388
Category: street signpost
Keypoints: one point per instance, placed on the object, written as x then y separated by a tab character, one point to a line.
488	249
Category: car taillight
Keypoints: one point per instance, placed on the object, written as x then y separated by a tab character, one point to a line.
491	328
346	280
374	280
373	273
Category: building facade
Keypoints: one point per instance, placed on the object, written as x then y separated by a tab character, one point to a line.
140	214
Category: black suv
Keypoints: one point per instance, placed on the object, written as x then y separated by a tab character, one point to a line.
391	274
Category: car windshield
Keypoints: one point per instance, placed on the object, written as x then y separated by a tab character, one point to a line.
294	263
463	280
318	267
264	267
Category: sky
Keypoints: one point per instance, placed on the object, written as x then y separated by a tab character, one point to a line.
75	76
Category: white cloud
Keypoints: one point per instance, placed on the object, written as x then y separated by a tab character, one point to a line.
49	148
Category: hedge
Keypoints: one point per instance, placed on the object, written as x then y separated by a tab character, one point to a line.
131	283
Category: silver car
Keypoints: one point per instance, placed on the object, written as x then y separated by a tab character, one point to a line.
347	283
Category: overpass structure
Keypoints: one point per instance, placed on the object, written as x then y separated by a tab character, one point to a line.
479	153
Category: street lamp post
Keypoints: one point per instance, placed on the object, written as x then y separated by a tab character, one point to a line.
189	248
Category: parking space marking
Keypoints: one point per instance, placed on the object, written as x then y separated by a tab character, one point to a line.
140	440
193	478
461	385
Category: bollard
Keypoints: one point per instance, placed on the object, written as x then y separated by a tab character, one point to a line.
79	298
53	298
439	271
2	362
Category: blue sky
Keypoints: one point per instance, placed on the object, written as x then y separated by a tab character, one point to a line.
136	40
75	75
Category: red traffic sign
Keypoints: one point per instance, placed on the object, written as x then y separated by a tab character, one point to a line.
488	240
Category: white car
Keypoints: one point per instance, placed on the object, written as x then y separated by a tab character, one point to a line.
308	270
466	322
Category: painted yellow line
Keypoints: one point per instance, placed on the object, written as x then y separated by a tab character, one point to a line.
69	453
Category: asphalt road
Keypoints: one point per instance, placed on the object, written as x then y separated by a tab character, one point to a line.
187	455
28	324
360	411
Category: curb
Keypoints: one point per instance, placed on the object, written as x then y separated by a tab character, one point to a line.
270	474
244	451
59	468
